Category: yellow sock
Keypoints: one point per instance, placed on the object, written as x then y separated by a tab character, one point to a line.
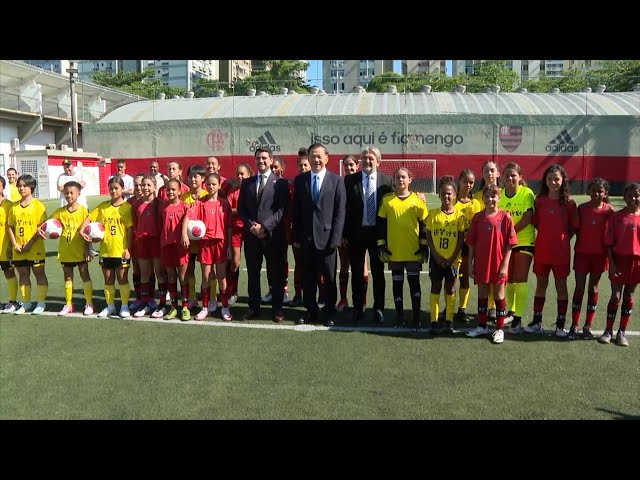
125	290
88	292
511	297
492	302
68	291
42	292
25	292
12	287
450	302
464	297
109	294
434	302
522	298
213	289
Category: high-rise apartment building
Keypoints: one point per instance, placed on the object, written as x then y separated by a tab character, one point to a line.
432	67
232	70
528	69
339	76
184	73
57	66
87	67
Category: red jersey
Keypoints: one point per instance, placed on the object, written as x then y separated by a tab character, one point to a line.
171	216
162	193
553	221
590	224
233	197
216	215
623	233
146	219
489	234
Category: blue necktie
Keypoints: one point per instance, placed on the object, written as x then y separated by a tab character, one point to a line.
315	193
371	202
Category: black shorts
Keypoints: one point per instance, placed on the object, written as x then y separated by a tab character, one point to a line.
28	263
6	265
437	273
193	257
465	250
114	262
526	249
73	264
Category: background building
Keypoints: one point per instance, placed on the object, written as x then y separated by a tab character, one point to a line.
232	70
433	67
340	76
529	69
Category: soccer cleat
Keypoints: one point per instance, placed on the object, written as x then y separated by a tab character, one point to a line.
267	298
321	303
124	311
233	299
173	313
88	310
213	306
508	319
435	328
561	332
605	337
497	336
193	303
136	305
202	314
159	312
285	298
10	307
621	339
66	310
296	302
462	316
342	305
146	310
185	315
586	333
446	326
534	327
515	328
573	333
107	311
226	314
40	306
478	331
23	308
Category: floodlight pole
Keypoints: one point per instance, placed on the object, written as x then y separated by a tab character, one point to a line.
74	112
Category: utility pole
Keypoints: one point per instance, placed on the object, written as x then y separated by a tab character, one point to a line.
72	71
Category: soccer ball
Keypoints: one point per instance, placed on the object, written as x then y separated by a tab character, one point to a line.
52	228
196	229
95	230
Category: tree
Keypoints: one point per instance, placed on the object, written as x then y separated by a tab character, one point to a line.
137	83
617	75
492	72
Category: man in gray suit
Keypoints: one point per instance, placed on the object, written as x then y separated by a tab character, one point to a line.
319	201
262	205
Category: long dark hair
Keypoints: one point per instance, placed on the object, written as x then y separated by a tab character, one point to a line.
564	188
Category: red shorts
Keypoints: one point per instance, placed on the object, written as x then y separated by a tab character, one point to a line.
629	268
173	255
133	248
236	236
589	263
147	247
559	271
212	252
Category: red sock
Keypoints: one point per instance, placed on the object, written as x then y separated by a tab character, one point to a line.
576	308
501	312
538	306
592	303
173	293
625	314
184	290
482	312
612	311
224	297
562	313
204	292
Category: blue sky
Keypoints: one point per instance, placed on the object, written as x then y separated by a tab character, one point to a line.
314	74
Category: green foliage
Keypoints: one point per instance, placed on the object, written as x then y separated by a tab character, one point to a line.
617	75
137	83
490	73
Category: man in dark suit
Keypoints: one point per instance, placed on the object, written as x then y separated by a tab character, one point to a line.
262	205
318	220
365	190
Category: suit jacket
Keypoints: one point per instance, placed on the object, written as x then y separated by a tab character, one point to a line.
355	201
269	210
321	224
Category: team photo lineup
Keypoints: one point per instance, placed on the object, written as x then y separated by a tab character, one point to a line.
490	231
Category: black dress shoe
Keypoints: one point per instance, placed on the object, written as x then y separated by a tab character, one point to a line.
251	314
378	318
356	316
329	322
278	317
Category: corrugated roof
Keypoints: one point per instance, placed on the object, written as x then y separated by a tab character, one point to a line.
625	103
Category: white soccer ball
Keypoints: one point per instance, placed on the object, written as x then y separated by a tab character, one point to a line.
95	230
52	228
196	229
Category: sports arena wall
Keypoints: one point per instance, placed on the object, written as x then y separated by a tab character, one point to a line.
604	145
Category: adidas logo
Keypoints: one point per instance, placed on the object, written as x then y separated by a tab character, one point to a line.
265	140
562	143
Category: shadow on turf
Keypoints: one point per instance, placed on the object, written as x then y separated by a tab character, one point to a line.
620	415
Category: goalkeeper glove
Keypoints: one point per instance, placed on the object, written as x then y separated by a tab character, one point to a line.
384	254
422	253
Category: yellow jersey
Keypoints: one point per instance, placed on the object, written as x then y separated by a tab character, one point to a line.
25	222
445	228
72	246
116	221
404	216
190	202
517	206
14	194
5	240
469	209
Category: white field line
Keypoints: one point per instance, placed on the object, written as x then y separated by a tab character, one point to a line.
297	328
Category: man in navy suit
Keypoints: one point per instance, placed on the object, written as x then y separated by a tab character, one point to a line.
262	205
365	190
319	199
